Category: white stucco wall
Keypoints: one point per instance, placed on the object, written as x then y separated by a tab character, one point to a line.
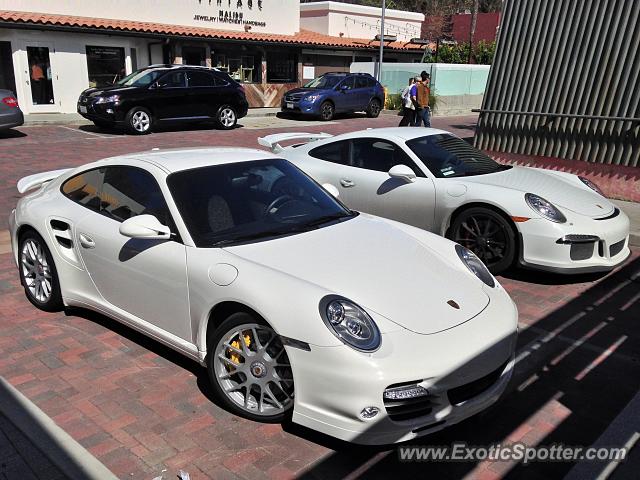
67	54
357	21
276	16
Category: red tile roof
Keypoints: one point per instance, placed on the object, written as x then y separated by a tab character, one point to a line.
304	37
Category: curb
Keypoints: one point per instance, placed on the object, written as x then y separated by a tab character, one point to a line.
57	445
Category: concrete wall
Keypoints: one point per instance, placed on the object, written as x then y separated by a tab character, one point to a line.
357	21
459	88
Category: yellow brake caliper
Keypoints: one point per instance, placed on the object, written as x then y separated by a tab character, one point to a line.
233	356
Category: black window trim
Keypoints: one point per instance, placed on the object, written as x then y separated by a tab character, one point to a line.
174	226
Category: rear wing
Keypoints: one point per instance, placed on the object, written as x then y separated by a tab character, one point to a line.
273	141
38	179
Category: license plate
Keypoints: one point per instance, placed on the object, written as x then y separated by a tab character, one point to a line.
289	105
83	109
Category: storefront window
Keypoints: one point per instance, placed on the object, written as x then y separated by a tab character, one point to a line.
105	65
244	66
282	67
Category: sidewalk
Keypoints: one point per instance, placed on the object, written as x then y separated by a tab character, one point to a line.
33	447
77	119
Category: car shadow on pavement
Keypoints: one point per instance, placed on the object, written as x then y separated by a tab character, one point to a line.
577	372
310	118
185	363
190	127
11	133
547	278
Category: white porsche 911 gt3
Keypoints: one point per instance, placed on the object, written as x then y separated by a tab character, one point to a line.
431	179
362	328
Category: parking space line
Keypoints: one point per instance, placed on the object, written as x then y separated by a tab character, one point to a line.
83	132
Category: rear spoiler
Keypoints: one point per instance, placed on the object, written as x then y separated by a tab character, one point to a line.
273	141
38	179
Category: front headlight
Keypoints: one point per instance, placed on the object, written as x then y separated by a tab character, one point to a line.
109	99
544	208
591	185
350	323
475	265
312	98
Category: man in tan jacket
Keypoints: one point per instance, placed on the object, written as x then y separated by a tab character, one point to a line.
423	90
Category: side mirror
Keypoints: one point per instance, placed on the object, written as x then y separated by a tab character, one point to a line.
403	172
155	85
344	88
145	226
331	189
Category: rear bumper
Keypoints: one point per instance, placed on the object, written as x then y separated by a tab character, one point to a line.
12	118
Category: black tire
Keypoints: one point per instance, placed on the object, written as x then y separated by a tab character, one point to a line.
223	331
373	110
488	234
226	117
327	111
139	121
34	273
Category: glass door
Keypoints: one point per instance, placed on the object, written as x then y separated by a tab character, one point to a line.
40	78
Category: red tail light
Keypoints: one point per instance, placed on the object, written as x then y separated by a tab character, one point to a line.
10	101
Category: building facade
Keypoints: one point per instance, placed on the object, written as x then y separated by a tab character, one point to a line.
51	51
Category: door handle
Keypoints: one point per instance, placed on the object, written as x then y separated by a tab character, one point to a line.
86	241
346	183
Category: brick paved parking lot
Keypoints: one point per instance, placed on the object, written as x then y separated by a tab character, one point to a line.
142	409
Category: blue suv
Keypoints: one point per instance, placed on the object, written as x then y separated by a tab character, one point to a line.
336	93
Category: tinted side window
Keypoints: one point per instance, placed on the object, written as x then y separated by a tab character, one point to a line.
348	82
362	82
371	82
84	188
220	81
379	155
173	80
130	191
336	152
200	79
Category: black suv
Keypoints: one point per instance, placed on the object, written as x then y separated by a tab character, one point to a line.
165	93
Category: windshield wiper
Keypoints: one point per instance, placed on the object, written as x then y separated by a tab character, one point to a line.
327	218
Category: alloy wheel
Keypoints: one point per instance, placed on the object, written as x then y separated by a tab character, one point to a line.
253	370
140	121
36	271
485	237
326	110
227	117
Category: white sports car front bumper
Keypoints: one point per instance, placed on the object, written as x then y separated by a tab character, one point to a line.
465	369
580	245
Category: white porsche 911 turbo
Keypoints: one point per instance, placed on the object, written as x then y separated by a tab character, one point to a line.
362	328
430	179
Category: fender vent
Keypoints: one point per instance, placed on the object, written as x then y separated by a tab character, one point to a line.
62	233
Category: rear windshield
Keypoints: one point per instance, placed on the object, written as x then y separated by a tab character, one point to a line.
448	156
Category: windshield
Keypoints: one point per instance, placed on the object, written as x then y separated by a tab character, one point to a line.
248	201
325	81
141	78
448	156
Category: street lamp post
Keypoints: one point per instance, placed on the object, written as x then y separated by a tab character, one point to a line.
384	5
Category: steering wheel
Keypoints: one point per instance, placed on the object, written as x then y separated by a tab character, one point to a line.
277	203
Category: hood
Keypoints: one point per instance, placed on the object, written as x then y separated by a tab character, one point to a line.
559	191
306	91
110	90
379	267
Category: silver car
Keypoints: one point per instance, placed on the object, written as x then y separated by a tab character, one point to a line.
10	113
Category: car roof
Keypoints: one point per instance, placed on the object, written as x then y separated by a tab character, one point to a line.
177	159
402	133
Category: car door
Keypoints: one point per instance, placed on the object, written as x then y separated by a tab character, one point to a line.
205	97
345	99
365	184
326	163
362	92
168	96
145	278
